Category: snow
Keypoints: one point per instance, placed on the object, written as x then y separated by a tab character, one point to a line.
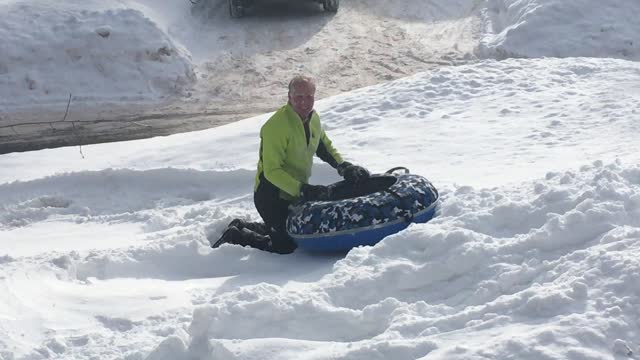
533	255
579	28
98	51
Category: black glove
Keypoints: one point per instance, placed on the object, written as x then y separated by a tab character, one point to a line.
352	173
314	192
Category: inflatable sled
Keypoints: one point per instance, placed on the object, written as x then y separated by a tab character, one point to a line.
363	214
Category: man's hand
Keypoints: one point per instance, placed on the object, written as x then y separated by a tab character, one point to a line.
314	193
353	173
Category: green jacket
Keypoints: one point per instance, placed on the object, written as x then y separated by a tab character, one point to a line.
285	157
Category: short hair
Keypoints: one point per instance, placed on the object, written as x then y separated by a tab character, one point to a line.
299	79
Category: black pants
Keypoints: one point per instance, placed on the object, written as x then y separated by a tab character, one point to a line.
274	211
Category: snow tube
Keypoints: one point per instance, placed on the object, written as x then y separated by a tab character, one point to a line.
362	214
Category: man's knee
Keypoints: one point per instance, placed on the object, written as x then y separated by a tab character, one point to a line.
282	244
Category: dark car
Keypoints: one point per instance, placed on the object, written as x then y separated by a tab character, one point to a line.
237	7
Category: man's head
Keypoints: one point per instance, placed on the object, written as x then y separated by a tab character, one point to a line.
302	91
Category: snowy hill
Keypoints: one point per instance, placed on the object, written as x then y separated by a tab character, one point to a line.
534	254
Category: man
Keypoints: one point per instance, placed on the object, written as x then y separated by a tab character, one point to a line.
289	139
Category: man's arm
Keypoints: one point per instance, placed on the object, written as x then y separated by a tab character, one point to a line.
351	173
327	153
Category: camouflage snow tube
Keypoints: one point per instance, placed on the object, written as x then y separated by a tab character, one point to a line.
363	214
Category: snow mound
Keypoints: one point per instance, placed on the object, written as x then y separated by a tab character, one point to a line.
538	28
116	53
468	274
117	193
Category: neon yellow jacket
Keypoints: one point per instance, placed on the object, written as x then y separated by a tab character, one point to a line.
285	157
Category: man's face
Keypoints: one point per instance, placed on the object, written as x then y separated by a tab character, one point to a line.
301	98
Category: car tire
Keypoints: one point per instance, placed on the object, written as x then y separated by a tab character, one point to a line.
236	8
331	5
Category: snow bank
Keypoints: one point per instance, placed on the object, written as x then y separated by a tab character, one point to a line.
115	54
456	288
117	241
537	28
114	192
